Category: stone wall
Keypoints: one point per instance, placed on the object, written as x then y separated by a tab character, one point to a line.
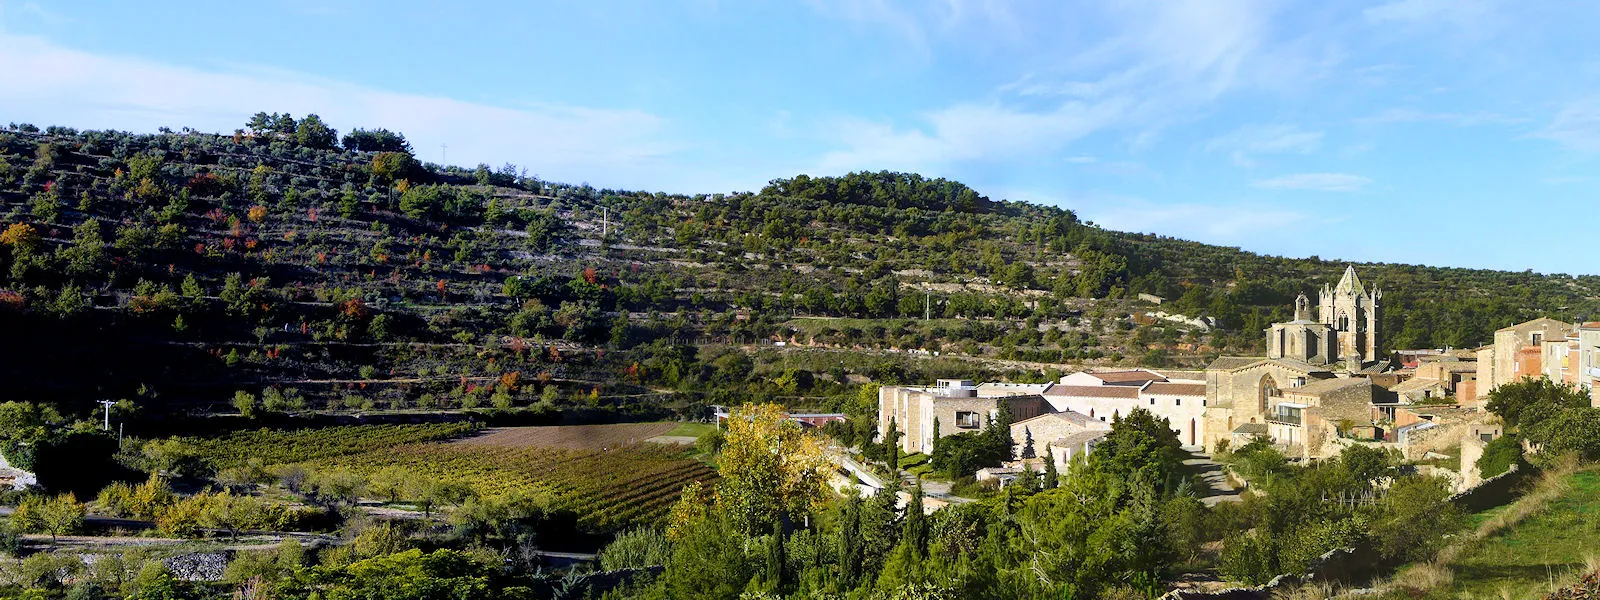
1494	491
1342	565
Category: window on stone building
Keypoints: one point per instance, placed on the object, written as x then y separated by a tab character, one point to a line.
1152	402
1177	401
966	420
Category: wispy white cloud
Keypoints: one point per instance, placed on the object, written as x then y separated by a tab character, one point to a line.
88	90
1411	115
965	132
1321	182
1242	143
1434	11
1164	64
1243	222
1577	126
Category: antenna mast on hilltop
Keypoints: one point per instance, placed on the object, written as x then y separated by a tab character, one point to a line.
443	154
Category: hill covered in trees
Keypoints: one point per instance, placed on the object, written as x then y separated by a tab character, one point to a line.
285	268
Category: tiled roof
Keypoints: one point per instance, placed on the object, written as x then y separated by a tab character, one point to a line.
1000	390
1176	389
1229	363
1323	386
1074	418
1416	384
1079	439
1127	376
1093	391
1251	428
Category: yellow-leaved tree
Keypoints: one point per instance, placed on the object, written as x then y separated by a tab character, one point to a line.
772	468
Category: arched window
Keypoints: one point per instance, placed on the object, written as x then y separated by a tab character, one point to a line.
1344	321
1268	389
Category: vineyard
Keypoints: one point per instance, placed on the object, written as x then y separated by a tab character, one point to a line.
608	490
576	437
274	446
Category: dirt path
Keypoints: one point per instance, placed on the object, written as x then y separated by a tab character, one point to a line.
1218	488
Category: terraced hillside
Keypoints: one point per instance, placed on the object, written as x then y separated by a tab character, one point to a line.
178	269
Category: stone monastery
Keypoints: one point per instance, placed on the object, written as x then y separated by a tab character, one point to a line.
1322	386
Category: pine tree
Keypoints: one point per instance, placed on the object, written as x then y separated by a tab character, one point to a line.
935	447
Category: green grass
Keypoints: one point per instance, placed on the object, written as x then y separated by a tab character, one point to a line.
693	430
913	460
1546	547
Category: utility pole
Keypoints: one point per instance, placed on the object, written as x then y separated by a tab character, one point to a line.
927	305
108	404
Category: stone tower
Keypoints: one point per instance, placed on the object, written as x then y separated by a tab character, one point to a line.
1352	312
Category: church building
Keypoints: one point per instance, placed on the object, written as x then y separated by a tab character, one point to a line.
1250	396
1345	329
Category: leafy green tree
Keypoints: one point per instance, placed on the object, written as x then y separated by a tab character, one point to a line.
57	516
1416	516
245	403
1499	455
376	140
1140	442
311	132
1528	400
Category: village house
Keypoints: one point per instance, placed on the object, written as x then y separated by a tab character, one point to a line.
1564	352
1034	436
955	405
1310	417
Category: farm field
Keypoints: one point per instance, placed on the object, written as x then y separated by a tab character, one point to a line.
606	475
608	490
281	446
574	437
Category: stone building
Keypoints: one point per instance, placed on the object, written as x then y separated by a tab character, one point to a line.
1345	328
1519	351
1056	428
1353	313
1309	418
957	405
1343	335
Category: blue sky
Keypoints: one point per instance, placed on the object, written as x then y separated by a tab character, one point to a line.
1442	132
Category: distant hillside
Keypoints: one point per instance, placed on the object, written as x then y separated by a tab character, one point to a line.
177	268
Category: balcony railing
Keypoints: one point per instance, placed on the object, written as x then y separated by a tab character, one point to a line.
1283	419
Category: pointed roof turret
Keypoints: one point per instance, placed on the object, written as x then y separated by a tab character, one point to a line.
1350	283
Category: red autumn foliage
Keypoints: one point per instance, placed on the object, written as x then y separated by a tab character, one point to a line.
13	301
354	308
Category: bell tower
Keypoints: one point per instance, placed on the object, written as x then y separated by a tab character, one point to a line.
1352	312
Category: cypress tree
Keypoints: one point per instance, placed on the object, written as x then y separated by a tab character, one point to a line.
850	542
775	558
914	531
892	452
1052	478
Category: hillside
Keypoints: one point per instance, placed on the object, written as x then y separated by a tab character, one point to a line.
176	269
